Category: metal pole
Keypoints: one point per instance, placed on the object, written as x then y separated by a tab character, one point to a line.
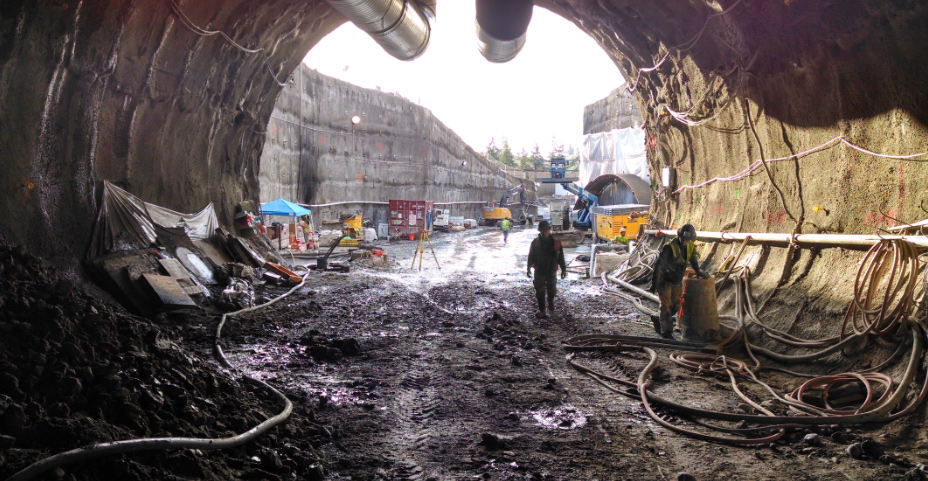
848	241
431	249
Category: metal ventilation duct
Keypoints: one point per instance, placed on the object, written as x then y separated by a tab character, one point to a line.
501	27
399	26
428	8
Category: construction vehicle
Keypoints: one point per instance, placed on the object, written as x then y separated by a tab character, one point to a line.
492	213
611	220
559	213
558	171
589	200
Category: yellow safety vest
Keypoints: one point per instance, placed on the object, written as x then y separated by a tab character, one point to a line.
677	254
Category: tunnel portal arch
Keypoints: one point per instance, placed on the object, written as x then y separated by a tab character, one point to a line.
128	92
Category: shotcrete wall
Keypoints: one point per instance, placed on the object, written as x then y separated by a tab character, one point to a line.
313	154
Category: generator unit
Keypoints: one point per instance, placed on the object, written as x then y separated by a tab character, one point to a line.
609	220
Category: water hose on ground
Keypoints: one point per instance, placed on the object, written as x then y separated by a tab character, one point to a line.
891	268
606	289
98	450
880	413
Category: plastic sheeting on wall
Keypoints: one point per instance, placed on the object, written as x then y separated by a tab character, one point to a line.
127	222
619	151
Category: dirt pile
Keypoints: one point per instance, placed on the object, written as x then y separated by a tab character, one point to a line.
74	371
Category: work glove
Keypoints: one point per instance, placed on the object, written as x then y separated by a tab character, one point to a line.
563	274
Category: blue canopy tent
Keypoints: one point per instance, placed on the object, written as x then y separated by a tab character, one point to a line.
289	209
282	207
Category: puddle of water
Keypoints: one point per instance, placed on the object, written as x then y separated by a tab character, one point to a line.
335	390
566	417
334	395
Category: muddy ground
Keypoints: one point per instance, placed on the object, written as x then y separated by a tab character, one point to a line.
395	374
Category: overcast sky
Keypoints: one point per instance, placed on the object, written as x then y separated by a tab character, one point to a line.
538	95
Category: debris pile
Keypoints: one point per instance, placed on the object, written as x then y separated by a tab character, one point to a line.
75	371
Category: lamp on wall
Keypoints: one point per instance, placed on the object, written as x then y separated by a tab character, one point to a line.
666	177
355	120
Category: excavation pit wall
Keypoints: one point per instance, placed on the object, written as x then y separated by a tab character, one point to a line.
314	154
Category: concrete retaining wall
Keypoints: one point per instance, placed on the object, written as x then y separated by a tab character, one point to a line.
313	154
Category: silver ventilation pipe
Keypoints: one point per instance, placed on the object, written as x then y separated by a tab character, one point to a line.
501	27
401	27
428	8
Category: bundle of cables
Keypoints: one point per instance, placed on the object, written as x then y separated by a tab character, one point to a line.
888	306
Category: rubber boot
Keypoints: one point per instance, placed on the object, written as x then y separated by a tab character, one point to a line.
656	322
667	329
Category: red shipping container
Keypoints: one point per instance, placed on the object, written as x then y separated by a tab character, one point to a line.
409	217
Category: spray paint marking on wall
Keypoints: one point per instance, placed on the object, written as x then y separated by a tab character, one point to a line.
879	219
901	185
776	217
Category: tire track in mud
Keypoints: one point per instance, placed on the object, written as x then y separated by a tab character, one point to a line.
416	404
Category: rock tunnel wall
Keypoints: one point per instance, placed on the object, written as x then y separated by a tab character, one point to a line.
791	76
398	150
617	110
124	91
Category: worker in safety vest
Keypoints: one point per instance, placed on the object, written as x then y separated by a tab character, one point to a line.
620	239
667	280
307	230
545	255
505	225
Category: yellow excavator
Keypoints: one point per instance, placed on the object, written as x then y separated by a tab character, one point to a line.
494	213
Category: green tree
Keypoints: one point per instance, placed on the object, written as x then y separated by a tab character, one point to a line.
524	160
492	150
505	154
538	162
557	150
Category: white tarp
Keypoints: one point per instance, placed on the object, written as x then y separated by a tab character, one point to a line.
619	151
126	222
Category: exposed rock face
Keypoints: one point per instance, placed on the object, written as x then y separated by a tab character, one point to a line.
124	91
397	150
617	110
